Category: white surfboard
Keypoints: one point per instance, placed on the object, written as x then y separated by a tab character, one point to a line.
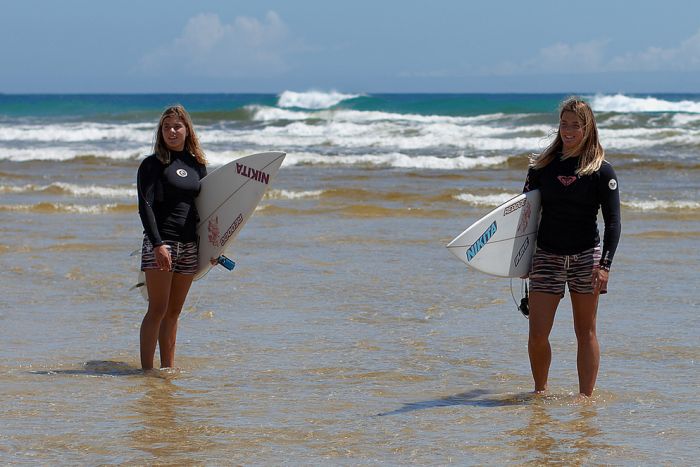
228	198
502	242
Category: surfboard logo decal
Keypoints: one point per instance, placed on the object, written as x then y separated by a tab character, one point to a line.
514	207
257	175
522	251
481	241
230	231
524	218
213	230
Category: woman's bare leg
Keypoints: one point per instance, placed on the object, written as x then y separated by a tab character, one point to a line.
158	284
588	355
543	307
168	327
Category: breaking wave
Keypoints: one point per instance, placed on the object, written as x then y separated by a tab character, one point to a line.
312	99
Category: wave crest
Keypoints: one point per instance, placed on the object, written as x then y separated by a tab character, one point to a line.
312	99
626	104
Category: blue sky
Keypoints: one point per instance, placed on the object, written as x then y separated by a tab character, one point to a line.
87	46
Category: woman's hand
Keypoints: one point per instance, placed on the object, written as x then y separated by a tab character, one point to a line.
163	258
600	280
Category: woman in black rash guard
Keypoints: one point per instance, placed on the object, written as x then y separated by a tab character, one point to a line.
575	182
168	182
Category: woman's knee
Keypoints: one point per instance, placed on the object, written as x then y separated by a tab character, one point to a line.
586	334
538	337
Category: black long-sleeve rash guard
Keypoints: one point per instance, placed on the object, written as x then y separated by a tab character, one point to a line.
166	196
570	206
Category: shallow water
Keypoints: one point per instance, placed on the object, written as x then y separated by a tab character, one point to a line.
346	334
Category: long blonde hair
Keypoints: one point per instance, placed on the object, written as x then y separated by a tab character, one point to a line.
590	152
191	141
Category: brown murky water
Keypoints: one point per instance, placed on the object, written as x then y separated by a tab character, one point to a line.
347	334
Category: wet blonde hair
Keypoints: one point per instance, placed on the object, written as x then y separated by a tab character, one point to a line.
191	141
589	151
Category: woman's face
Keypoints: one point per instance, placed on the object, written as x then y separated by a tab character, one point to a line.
571	130
174	133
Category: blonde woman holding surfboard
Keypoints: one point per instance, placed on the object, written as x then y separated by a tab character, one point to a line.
575	182
168	182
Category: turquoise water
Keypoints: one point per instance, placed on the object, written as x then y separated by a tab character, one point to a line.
347	334
131	105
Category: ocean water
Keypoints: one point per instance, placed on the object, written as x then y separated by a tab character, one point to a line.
347	334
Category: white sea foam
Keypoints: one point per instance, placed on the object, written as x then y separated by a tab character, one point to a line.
288	194
622	103
638	138
77	132
485	200
271	114
385	134
641	205
87	209
353	132
661	205
66	153
70	208
312	99
262	113
70	189
395	160
682	120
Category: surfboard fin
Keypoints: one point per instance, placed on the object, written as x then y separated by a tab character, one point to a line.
140	284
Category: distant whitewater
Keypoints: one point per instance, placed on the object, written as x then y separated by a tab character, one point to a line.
312	99
60	153
407	131
625	104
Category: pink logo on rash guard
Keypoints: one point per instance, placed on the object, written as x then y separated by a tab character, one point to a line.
213	229
566	181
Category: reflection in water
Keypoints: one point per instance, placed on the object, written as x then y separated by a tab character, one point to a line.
160	424
559	431
546	440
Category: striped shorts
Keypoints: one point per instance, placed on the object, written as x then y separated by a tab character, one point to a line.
550	272
183	256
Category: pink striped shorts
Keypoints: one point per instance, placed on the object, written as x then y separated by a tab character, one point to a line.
183	255
551	272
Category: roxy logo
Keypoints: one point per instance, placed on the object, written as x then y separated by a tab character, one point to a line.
566	181
257	175
181	172
612	184
481	241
